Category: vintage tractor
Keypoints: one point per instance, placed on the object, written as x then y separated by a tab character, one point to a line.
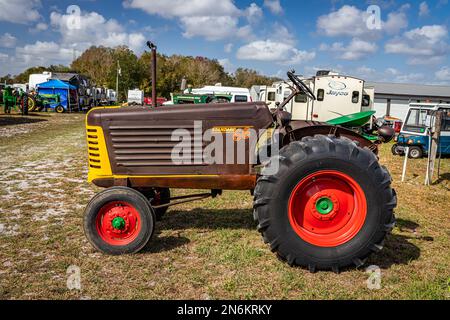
321	198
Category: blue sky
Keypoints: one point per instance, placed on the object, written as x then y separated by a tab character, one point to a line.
391	41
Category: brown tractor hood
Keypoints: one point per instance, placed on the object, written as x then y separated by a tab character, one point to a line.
256	114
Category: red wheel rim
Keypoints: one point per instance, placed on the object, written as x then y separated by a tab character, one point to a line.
118	223
327	208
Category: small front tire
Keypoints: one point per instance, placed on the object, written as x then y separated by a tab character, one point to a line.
119	221
59	109
415	153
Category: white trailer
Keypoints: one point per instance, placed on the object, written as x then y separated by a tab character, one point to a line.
135	96
36	79
336	95
268	95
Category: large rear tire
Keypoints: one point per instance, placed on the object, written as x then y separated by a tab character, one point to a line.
119	221
329	206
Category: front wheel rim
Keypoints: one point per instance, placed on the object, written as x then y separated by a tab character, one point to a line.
118	223
327	208
414	153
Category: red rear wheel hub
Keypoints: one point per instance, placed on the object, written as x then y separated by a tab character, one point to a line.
118	223
327	208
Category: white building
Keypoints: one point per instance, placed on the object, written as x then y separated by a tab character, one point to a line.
393	99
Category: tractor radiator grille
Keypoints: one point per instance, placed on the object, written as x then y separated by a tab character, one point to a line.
93	149
151	145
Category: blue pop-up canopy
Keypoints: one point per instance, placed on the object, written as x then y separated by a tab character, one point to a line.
56	84
57	87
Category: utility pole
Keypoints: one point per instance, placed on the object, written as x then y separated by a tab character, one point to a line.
153	48
119	72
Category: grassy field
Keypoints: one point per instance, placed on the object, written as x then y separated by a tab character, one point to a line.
202	250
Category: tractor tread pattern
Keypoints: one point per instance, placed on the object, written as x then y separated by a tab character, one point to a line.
266	193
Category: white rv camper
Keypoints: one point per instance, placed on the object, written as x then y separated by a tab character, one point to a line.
268	95
38	78
337	96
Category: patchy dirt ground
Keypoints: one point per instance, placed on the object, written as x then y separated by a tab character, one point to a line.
203	250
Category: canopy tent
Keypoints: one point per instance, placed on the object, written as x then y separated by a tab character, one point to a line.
65	90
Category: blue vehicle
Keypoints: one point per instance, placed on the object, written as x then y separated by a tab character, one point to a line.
416	129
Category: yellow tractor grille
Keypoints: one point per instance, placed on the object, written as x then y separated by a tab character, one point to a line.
93	149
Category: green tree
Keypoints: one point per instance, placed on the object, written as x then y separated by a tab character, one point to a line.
198	72
246	78
131	75
96	63
8	79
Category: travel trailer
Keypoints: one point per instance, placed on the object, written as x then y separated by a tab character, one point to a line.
336	96
268	95
38	78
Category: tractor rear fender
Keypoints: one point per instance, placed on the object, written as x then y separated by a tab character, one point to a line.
296	132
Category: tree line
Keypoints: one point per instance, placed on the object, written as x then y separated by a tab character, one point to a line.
100	65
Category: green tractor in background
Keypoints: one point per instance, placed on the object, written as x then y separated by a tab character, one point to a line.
40	102
190	98
363	123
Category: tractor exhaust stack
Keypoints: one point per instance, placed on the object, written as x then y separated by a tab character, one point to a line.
153	48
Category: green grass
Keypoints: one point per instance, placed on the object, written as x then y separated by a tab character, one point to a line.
203	250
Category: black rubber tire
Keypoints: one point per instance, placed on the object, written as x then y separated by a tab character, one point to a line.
415	153
396	151
164	196
300	159
119	194
59	109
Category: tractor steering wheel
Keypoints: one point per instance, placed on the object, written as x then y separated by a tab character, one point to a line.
300	85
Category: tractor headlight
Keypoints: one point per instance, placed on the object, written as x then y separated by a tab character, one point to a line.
410	141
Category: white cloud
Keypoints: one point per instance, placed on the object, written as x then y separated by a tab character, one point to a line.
426	45
365	72
392	72
282	34
274	6
424	10
8	41
355	50
396	21
41	53
19	11
94	29
270	50
228	47
443	74
351	22
211	19
253	13
227	65
211	28
347	21
41	26
410	78
179	8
